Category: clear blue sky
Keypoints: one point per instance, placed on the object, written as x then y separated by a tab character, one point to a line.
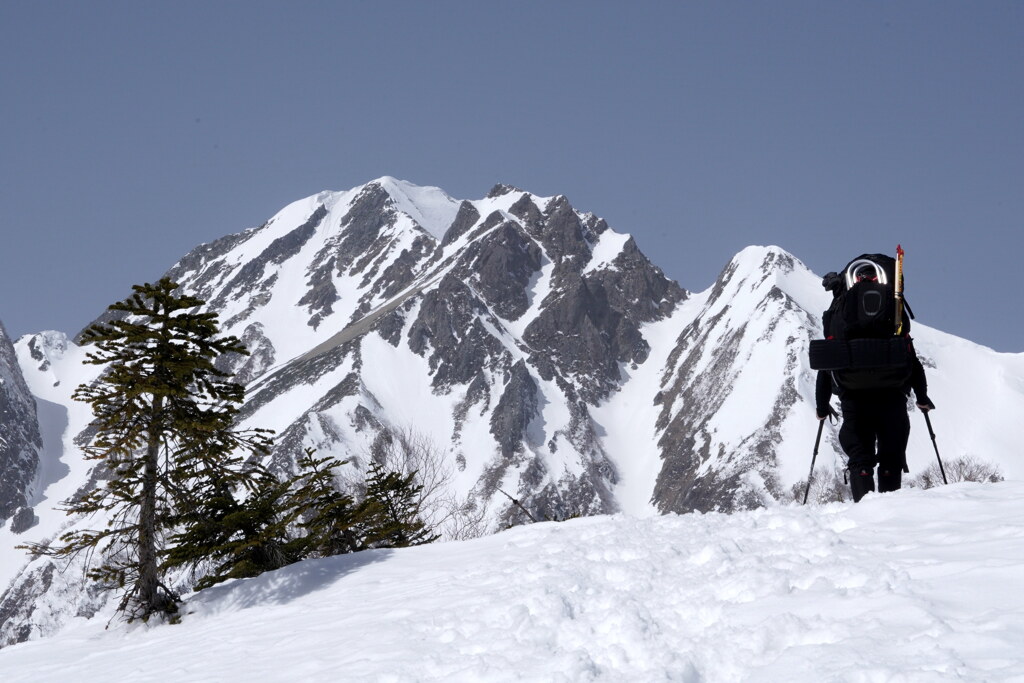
130	132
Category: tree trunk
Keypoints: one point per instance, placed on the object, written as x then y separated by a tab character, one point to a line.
149	596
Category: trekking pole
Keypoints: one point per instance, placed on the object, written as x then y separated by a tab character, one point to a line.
931	433
520	506
817	441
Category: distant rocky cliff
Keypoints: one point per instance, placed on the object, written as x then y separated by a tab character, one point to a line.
20	442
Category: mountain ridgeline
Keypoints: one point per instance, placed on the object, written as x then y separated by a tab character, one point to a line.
493	329
488	328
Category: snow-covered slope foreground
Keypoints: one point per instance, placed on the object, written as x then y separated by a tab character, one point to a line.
911	586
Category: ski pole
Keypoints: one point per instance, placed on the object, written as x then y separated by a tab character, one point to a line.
520	506
931	433
817	441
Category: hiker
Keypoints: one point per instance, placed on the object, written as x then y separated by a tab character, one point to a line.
871	369
875	428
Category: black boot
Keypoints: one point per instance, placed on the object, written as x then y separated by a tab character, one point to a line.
862	480
889	480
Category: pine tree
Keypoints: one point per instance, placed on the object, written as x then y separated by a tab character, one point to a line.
224	537
164	418
393	501
332	522
280	521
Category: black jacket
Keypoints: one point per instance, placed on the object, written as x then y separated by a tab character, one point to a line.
826	387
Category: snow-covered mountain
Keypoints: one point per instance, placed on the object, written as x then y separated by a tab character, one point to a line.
489	328
522	347
920	586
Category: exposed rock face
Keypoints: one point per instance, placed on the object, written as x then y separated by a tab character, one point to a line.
449	332
467	217
504	266
41	345
586	336
634	284
253	278
43	598
20	442
23	520
18	603
516	408
261	355
205	279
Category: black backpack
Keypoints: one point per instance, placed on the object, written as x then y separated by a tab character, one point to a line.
861	345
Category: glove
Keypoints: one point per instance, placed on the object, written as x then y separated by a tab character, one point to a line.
826	411
924	404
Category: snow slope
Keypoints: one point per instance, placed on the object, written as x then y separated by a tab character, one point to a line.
912	586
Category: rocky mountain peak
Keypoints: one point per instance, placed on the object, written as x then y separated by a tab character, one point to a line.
501	189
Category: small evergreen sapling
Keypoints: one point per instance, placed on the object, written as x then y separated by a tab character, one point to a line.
393	500
331	521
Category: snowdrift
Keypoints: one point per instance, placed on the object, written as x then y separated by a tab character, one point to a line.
911	586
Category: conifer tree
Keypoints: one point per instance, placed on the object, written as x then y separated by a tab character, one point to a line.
164	418
282	521
235	533
279	522
393	500
332	522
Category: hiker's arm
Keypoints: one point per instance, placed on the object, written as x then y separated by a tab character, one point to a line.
823	395
919	383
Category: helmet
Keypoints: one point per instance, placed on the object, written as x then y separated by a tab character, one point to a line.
866	272
864	269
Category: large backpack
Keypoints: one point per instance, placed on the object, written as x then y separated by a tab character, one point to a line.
861	345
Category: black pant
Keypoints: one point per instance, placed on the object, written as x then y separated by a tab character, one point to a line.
875	418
